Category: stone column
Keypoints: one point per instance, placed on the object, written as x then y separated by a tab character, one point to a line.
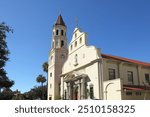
79	89
68	90
83	88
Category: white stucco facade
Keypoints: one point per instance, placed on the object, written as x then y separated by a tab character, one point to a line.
83	66
78	71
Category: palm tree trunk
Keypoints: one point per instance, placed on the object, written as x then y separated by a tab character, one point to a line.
42	91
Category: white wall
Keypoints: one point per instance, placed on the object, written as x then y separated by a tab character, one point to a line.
112	89
86	60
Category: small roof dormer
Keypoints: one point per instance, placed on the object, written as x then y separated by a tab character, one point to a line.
60	21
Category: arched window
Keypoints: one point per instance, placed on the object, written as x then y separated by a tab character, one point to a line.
80	39
51	60
75	35
71	47
62	43
75	44
50	74
76	60
57	32
62	32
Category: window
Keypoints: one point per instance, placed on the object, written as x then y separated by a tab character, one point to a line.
62	43
80	39
91	92
138	93
62	32
130	77
76	60
75	44
75	35
50	74
51	59
71	47
111	74
128	93
56	32
147	78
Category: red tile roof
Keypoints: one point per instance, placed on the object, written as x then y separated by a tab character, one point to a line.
125	60
136	87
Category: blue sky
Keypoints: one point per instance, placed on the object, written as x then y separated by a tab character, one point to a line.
118	27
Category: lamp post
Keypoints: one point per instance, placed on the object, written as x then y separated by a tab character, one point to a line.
106	88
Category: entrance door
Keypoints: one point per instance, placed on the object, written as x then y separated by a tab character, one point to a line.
76	94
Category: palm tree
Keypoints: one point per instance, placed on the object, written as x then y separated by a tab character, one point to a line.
45	67
41	79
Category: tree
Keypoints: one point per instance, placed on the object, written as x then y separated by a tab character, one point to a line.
36	93
41	79
45	67
6	94
7	83
4	52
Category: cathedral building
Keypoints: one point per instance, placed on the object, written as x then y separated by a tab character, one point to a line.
78	71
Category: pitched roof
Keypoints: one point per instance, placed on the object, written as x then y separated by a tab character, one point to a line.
125	60
60	21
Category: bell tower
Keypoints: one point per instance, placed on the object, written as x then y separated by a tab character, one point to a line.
57	57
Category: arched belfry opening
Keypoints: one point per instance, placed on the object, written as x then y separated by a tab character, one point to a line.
62	43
